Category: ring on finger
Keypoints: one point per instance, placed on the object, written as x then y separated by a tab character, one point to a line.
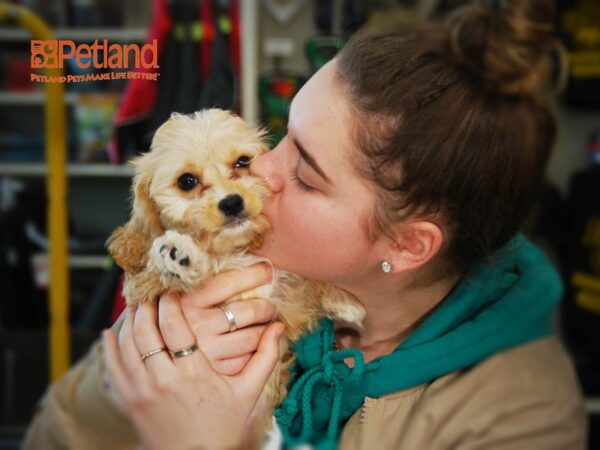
185	351
230	317
152	353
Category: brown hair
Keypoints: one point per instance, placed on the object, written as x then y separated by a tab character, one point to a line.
451	119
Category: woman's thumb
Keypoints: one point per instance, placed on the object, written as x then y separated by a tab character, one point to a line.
263	362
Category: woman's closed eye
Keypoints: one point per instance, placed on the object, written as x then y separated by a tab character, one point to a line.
301	184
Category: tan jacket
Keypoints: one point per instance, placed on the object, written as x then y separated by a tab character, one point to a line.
524	398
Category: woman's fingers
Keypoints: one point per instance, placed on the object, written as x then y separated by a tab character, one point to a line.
148	338
214	321
227	353
246	313
232	345
119	381
225	285
178	335
251	381
175	330
130	354
231	366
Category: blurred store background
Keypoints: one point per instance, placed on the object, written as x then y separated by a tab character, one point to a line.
250	56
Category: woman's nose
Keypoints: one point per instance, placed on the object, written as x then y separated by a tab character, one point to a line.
265	167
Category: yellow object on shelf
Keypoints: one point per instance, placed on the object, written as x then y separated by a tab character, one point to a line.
56	186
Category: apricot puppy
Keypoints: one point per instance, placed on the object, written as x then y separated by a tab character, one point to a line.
196	211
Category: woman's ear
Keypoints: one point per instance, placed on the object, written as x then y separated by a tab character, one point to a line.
130	243
413	245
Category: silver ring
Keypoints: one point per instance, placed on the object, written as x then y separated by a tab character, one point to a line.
153	352
186	351
230	317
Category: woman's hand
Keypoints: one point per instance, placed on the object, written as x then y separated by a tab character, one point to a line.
183	402
227	352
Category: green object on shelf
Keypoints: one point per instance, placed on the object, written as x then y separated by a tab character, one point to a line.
224	24
276	93
320	49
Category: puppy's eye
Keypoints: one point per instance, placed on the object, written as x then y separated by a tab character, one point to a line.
187	182
242	163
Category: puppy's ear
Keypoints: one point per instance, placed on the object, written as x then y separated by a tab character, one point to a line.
145	210
130	243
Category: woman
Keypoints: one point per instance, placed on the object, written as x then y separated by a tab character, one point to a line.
410	162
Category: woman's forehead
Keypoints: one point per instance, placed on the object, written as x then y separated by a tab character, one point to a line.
319	113
319	94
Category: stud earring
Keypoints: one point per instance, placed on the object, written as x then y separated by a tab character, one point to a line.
386	267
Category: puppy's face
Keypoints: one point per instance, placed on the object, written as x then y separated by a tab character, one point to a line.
200	181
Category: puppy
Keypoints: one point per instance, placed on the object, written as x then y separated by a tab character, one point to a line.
197	211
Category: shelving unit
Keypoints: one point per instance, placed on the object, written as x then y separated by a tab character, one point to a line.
23	112
88	261
87	34
88	193
33	98
73	170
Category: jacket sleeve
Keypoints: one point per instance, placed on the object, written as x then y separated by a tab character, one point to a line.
544	425
76	412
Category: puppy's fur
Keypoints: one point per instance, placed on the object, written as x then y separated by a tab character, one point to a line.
188	223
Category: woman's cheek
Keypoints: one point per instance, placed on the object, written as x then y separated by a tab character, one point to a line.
303	217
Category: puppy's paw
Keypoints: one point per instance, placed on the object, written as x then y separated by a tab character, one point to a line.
178	259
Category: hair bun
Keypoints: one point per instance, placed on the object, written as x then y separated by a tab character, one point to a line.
508	43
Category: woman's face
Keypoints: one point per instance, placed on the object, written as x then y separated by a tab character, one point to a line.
320	204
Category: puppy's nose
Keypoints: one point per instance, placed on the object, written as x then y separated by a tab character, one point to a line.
232	205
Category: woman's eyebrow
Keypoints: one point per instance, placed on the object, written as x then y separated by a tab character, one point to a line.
310	160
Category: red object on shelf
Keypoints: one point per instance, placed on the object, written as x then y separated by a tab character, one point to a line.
140	94
235	39
18	69
283	87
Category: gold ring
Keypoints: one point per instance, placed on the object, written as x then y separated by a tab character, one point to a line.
153	352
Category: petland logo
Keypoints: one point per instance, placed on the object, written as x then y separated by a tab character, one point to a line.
54	54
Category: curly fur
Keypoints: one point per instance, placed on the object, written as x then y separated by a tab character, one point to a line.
177	238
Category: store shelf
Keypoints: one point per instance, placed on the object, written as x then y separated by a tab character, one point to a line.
31	98
76	261
73	170
85	34
88	261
